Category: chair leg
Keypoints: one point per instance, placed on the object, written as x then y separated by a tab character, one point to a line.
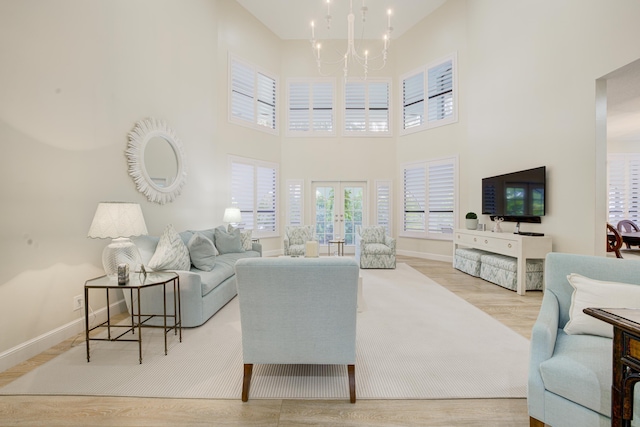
246	381
535	423
351	369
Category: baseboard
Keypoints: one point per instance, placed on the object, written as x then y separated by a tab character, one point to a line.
37	345
434	257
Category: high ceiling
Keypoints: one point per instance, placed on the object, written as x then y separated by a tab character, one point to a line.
291	19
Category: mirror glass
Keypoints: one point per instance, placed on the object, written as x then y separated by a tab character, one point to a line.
156	160
160	161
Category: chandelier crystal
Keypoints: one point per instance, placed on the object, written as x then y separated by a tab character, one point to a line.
351	56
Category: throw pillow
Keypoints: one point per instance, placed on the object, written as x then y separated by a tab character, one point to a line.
372	234
171	252
228	242
245	237
595	293
202	252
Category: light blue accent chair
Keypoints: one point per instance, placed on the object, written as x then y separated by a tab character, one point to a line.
298	311
570	375
374	248
296	238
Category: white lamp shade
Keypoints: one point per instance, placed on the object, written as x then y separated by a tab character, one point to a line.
117	219
232	215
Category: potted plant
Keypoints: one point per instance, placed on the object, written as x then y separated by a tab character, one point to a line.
471	221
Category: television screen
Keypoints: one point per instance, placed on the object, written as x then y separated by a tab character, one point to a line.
517	196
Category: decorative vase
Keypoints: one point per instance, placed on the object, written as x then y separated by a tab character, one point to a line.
471	224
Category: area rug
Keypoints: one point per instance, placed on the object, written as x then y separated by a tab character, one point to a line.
415	340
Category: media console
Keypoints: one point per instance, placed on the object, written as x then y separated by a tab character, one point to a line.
519	246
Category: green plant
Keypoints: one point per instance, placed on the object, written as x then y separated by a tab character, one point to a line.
471	215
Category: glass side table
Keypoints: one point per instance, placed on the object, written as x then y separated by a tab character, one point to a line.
136	283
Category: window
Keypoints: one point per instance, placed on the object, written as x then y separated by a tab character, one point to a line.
429	193
254	186
623	187
366	111
429	96
295	202
383	205
310	107
253	97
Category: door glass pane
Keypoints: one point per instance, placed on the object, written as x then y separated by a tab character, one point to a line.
325	197
352	212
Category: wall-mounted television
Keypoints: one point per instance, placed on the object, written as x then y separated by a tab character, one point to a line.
517	196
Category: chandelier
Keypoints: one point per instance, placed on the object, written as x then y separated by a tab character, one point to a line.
351	56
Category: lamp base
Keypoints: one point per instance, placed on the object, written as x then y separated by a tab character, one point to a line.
120	251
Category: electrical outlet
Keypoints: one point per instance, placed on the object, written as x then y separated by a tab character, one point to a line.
78	302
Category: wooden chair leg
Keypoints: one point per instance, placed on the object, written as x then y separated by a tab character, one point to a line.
535	423
246	381
351	369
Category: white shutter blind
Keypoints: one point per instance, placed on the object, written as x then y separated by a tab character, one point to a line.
323	107
414	198
624	187
242	191
379	107
440	91
294	202
299	101
441	197
266	101
242	90
383	205
413	101
355	100
266	199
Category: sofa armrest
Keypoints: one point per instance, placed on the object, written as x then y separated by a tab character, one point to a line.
257	247
543	341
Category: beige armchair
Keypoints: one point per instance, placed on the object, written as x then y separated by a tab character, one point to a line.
374	248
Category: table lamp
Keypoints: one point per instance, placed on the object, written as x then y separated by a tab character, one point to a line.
232	216
118	221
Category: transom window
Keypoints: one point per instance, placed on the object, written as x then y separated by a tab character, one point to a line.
253	96
366	111
429	96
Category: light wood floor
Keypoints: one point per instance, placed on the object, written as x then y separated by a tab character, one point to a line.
519	313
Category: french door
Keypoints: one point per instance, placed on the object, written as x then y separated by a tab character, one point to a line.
338	208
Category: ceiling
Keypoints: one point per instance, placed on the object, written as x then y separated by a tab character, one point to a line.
291	19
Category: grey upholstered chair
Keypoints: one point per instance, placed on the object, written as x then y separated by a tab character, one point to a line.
298	311
374	248
296	237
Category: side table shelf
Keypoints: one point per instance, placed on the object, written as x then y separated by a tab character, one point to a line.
136	283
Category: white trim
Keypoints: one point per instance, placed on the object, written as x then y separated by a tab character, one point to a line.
37	345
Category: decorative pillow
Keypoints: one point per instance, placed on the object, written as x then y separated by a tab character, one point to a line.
372	234
595	293
202	252
245	237
228	242
171	252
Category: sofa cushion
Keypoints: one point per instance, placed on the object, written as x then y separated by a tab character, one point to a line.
595	293
377	249
372	234
171	253
202	252
228	242
223	269
580	371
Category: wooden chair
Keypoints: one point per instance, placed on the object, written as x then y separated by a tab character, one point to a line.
614	240
627	226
